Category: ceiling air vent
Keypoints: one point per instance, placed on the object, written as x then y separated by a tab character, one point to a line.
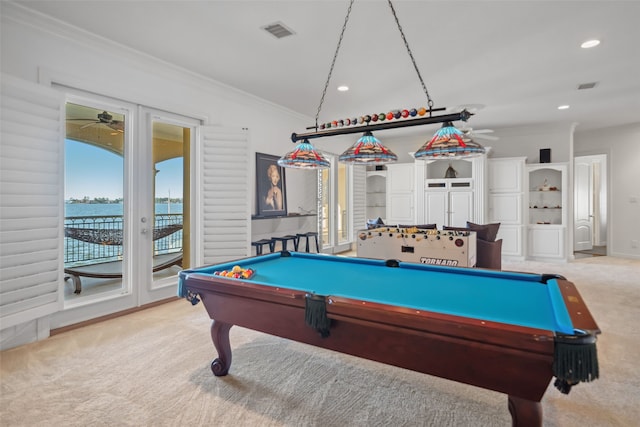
278	30
586	86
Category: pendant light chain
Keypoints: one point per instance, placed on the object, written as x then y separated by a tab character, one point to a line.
424	87
335	55
448	142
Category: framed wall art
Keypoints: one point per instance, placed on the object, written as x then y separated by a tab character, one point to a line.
270	186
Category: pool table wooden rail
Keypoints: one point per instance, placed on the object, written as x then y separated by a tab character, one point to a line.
510	359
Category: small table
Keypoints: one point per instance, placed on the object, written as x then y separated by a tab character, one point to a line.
505	331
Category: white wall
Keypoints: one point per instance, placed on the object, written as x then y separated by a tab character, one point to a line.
38	49
622	146
528	140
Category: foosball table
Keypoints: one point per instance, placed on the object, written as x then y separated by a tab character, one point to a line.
436	247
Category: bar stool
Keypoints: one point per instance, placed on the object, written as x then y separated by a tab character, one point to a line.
284	239
308	235
259	244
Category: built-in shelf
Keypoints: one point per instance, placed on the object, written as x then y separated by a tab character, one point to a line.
545	195
376	194
547	219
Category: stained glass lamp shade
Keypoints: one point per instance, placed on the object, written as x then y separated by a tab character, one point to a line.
304	156
368	149
449	142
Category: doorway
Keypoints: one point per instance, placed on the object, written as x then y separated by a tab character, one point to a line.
590	206
126	220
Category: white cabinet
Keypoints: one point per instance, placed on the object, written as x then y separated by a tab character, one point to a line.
546	242
436	205
449	202
460	208
506	208
451	192
399	194
506	175
547	224
376	194
507	201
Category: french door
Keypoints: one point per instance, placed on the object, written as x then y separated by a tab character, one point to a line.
336	206
164	201
127	190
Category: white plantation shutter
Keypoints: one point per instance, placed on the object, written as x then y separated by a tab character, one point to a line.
31	194
224	195
359	213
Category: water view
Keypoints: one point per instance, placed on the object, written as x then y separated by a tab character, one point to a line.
94	231
97	209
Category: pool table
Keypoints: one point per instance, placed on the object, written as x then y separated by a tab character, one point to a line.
510	332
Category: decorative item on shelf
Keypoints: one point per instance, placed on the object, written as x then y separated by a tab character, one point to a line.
545	155
544	186
451	172
458	145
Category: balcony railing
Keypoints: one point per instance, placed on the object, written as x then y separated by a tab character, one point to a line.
96	239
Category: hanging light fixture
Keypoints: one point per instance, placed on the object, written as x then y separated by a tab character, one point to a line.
368	149
448	141
304	156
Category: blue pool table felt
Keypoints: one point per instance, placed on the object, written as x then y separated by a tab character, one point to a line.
505	297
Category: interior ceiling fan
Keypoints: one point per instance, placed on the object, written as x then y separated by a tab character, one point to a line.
104	118
466	128
478	134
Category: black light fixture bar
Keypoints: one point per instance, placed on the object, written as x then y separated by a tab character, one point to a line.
462	115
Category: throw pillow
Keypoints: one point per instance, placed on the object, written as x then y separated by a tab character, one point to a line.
487	232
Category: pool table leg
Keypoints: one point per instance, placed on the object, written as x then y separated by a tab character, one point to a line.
220	336
525	413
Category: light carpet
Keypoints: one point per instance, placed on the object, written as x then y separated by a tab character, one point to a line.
151	368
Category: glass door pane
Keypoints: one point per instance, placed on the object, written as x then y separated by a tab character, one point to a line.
335	207
343	204
170	230
326	209
94	247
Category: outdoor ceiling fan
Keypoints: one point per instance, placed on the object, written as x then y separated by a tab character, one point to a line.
104	118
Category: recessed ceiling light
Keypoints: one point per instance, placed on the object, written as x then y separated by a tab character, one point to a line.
343	88
563	107
590	43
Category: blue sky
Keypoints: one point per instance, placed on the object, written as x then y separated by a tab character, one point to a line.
94	172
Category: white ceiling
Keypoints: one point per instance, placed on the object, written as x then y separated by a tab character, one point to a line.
520	59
